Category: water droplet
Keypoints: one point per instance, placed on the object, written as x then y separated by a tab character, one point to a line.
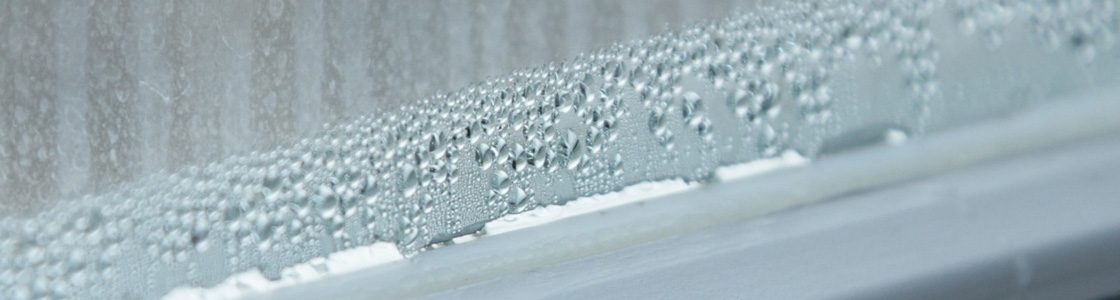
500	181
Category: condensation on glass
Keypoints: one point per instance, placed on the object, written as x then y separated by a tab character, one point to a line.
815	78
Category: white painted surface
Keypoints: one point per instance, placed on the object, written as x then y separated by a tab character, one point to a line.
1044	226
544	254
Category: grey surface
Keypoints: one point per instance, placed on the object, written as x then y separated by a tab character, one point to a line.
707	212
93	93
1042	226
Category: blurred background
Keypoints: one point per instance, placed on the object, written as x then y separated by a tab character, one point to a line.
100	92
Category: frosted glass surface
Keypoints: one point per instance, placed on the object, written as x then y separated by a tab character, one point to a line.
102	92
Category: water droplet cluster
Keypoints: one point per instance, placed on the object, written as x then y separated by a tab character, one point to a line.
677	105
1082	26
